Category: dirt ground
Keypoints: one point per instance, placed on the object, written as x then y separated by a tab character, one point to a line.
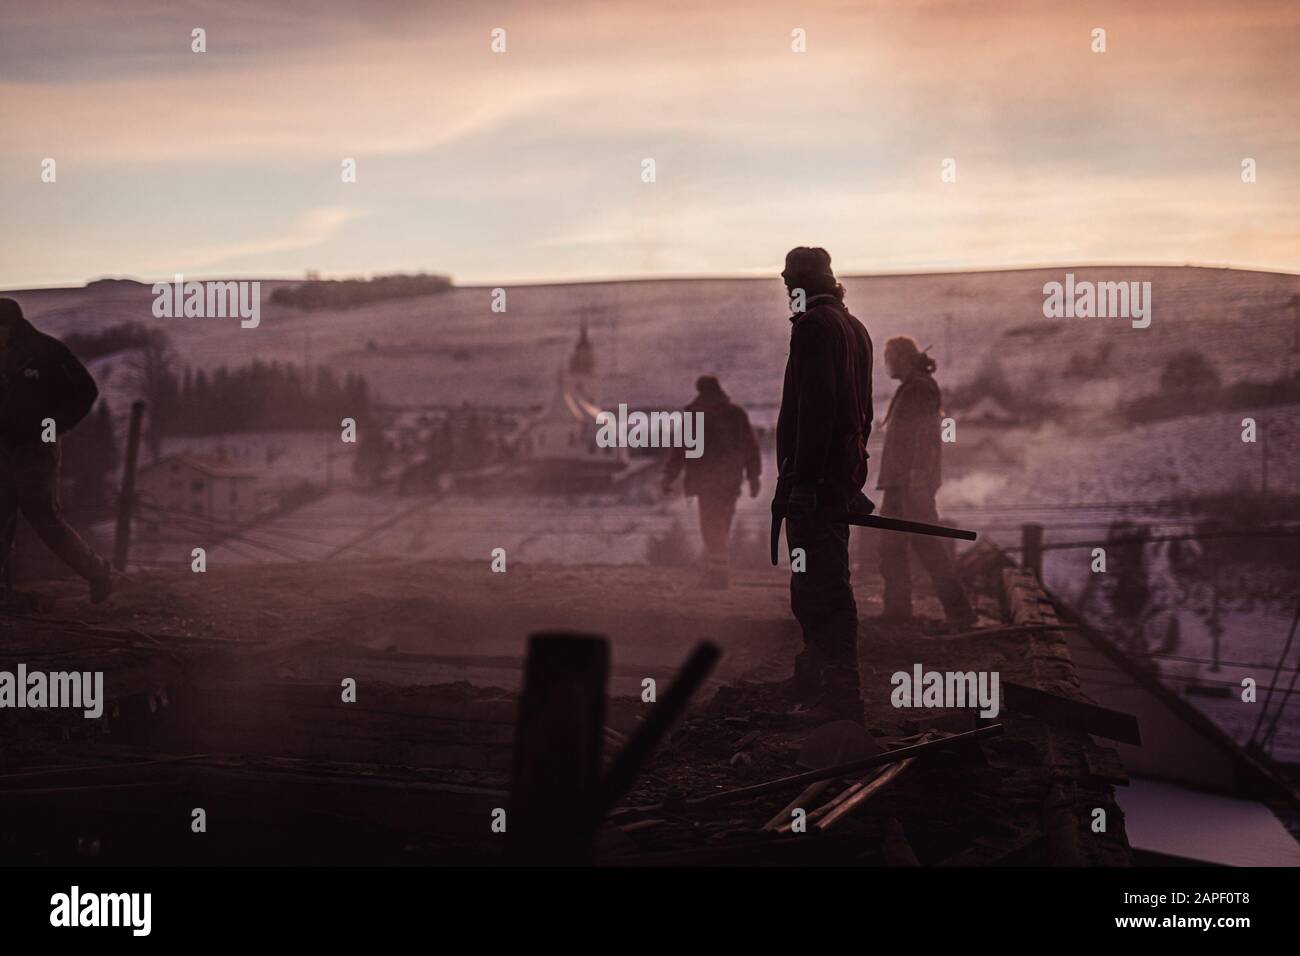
472	622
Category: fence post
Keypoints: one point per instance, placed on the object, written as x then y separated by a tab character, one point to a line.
558	739
126	500
1031	548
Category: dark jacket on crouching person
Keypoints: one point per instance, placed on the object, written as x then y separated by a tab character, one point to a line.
40	379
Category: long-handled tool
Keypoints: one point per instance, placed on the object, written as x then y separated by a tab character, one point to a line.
861	519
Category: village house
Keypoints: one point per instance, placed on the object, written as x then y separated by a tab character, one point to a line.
181	485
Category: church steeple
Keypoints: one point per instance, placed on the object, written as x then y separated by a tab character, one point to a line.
583	360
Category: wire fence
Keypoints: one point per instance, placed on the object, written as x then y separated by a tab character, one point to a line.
307	536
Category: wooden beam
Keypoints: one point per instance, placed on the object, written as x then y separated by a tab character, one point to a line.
558	740
1072	714
781	819
842	770
881	781
1009	629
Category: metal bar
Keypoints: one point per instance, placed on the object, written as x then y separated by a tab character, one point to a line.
885	523
879	522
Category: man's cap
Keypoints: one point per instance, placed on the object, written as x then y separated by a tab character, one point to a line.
10	310
804	263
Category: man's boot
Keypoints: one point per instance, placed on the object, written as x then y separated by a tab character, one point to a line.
716	573
838	699
957	608
101	582
843	692
897	611
806	684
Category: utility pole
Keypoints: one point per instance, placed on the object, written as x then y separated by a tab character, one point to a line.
329	465
615	345
1263	448
126	500
1031	548
1216	624
1295	323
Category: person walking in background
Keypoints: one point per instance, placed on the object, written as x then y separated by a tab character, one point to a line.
40	379
821	445
910	475
730	455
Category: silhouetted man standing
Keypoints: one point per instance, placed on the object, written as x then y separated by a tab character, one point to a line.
821	443
40	379
730	454
909	476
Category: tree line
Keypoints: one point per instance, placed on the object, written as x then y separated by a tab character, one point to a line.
350	293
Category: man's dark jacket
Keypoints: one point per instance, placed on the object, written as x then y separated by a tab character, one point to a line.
40	378
825	416
730	450
911	455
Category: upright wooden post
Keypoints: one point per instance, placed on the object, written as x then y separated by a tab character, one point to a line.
1031	548
558	740
126	500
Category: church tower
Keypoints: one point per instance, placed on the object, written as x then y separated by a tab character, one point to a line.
582	366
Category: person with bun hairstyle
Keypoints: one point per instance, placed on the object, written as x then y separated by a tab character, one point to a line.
910	475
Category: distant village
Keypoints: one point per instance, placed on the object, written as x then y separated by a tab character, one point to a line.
228	449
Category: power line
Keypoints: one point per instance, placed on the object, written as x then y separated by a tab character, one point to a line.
1182	679
1206	660
1281	658
1156	539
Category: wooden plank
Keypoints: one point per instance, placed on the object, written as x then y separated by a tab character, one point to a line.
842	770
1104	764
1009	629
1072	714
882	780
1061	828
781	819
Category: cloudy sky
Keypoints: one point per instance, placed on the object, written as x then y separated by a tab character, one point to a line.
527	165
